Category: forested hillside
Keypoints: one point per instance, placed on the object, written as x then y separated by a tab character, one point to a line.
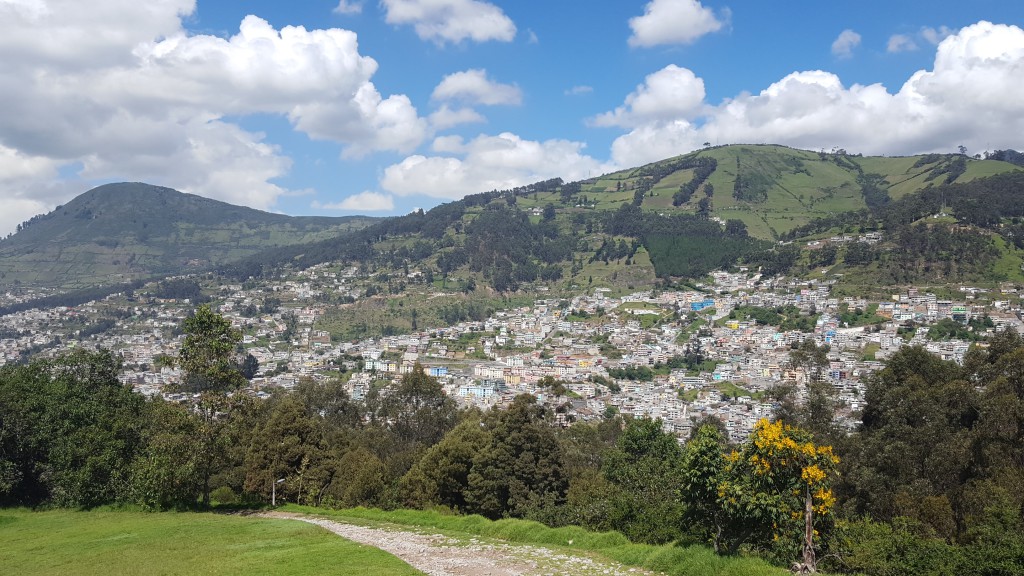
970	232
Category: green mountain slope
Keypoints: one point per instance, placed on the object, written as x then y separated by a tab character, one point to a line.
680	217
122	232
781	188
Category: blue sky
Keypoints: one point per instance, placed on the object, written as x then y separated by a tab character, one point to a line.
343	107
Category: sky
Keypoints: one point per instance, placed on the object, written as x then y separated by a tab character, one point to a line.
340	107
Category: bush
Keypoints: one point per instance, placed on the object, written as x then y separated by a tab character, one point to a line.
224	495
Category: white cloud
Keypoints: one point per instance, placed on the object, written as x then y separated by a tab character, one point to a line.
666	94
215	159
366	201
579	90
448	145
488	163
348	7
845	43
443	21
963	99
29	185
907	42
473	86
445	117
900	43
73	35
936	35
672	22
118	90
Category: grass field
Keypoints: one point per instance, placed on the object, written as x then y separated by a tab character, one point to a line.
143	544
668	559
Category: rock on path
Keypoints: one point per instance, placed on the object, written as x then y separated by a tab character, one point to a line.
439	555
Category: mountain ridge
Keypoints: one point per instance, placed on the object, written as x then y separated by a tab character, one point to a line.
129	231
671	218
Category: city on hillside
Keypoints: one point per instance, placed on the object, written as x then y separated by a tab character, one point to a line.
723	350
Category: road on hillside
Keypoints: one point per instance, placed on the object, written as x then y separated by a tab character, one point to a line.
439	555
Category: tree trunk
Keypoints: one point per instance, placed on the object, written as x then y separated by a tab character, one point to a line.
809	559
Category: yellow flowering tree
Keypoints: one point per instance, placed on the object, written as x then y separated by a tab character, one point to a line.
779	482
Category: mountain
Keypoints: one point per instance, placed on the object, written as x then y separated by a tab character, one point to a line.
774	189
128	231
676	218
685	216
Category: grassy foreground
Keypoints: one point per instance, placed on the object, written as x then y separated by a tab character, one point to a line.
138	543
669	559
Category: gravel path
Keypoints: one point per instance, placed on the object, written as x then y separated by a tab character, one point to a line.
439	555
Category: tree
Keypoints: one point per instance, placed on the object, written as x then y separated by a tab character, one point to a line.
810	358
249	367
549	212
915	439
206	356
704	208
167	472
734	227
520	468
441	476
69	430
779	485
645	466
360	479
288	444
418	410
703	471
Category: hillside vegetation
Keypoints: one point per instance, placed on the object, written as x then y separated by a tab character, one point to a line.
682	218
678	218
130	231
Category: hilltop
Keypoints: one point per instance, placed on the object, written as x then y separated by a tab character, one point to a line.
130	231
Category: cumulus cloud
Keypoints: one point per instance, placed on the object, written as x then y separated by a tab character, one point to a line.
966	98
669	93
579	90
474	87
452	144
348	7
845	43
366	201
443	21
66	35
119	90
445	117
672	22
900	43
488	163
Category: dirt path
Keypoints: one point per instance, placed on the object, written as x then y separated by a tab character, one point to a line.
439	555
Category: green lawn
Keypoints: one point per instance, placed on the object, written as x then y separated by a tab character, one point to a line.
137	543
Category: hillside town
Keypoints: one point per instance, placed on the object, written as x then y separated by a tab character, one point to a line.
678	356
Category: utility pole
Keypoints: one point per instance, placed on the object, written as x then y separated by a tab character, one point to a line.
273	492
